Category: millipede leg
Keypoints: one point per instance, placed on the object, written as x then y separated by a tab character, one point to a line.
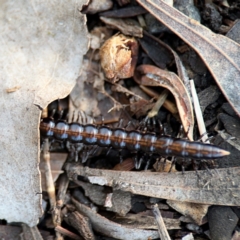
203	136
173	161
138	161
84	156
148	162
109	149
194	164
120	124
181	132
94	150
60	114
195	168
76	156
183	167
142	124
120	155
52	113
128	124
162	129
207	168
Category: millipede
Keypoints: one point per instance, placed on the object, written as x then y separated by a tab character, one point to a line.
134	140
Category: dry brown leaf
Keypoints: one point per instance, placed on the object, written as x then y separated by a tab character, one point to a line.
41	50
220	54
125	165
214	187
119	56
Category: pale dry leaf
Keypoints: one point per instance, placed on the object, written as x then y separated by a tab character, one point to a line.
193	210
41	50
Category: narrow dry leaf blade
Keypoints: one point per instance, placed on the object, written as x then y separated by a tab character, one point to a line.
219	188
220	54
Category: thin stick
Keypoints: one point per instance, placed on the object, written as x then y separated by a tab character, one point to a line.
158	104
67	233
50	186
198	112
163	233
48	174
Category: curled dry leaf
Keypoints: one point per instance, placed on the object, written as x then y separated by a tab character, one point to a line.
119	57
148	75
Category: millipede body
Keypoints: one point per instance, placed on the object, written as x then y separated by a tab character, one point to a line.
120	138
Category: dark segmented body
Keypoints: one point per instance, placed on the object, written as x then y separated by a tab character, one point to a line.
132	140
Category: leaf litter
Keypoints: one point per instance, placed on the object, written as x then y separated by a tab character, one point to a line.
190	188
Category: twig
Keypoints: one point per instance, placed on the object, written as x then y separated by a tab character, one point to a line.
198	112
163	233
48	174
67	233
62	189
158	104
50	187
